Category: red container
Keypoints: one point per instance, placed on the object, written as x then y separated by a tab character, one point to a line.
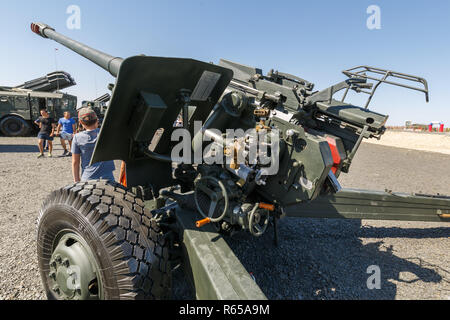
441	128
430	128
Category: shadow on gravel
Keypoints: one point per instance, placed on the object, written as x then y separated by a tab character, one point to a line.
181	289
325	259
12	148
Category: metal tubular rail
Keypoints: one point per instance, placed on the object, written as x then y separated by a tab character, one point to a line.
360	72
105	61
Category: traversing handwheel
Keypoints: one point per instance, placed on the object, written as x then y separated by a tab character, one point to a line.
217	194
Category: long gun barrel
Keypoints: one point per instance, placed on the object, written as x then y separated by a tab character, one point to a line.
107	62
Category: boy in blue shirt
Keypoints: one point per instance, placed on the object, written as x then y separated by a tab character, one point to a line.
68	126
82	148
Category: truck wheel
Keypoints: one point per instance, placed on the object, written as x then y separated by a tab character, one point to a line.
13	126
95	240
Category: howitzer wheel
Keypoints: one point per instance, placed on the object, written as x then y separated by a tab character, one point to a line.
95	240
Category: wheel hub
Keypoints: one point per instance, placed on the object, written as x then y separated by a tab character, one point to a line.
12	126
73	270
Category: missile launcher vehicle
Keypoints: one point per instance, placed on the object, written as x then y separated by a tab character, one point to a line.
20	105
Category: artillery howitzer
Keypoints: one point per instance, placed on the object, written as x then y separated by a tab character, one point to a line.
288	147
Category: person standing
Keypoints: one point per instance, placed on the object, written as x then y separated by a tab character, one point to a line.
46	132
68	126
83	145
45	141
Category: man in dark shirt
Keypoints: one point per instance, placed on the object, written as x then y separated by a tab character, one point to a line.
46	132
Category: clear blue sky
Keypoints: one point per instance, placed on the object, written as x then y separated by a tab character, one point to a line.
315	40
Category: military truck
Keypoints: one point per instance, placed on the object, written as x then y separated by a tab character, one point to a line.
99	104
20	105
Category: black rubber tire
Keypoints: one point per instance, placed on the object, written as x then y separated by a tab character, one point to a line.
14	126
129	247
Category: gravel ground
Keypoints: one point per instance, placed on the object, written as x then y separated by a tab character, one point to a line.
316	259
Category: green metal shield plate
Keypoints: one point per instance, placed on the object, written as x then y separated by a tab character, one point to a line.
164	77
